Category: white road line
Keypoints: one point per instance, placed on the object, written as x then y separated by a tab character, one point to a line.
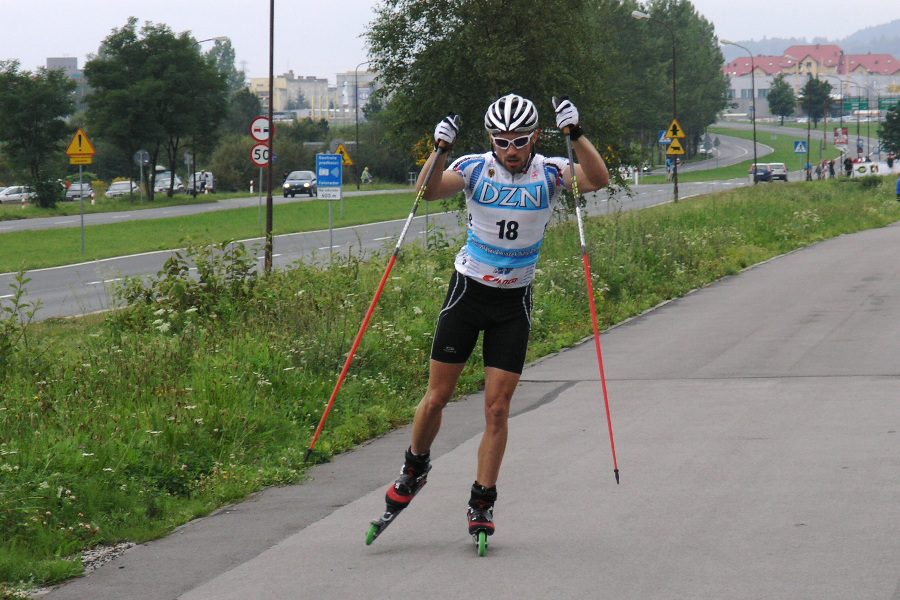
121	216
388	237
105	281
65	222
6	296
328	247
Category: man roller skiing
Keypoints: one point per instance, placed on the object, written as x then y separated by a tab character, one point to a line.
510	192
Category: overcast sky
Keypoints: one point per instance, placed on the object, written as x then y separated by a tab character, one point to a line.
322	37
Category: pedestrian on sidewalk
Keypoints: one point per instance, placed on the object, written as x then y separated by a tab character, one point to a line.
510	192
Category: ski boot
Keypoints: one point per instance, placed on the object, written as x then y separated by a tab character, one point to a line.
413	477
480	515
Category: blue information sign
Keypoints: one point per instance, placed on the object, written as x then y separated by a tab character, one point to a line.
800	147
330	175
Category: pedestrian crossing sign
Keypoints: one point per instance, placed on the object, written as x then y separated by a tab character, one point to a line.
799	147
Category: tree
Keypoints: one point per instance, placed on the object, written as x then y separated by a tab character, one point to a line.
243	106
889	130
222	56
781	98
155	90
440	57
32	126
815	98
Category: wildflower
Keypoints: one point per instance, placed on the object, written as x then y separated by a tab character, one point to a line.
417	311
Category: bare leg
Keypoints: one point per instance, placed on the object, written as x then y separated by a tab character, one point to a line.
442	379
498	392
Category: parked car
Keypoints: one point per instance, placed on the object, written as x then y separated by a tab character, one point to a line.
779	171
121	188
80	190
299	182
16	194
204	181
164	179
761	172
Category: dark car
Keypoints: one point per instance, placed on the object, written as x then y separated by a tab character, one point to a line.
299	182
762	173
77	191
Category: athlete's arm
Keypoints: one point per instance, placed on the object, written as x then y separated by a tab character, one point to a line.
591	169
444	182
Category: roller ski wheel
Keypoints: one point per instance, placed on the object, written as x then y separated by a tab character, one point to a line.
377	527
481	542
413	477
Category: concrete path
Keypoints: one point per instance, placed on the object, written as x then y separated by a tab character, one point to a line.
757	429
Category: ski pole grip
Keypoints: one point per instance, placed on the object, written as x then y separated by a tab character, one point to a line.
555	103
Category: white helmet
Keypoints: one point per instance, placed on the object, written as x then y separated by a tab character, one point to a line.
511	113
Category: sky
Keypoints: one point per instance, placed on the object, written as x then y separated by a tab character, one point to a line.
324	37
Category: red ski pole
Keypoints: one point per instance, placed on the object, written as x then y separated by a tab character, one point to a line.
590	292
365	324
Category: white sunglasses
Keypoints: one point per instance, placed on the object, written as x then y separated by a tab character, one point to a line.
519	142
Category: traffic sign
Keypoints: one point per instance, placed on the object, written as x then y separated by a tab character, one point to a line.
260	129
662	139
675	131
799	147
81	151
259	155
347	161
329	175
142	158
675	147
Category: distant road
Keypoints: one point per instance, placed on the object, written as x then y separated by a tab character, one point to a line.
85	288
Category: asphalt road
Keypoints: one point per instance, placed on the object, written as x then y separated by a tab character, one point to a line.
756	425
88	287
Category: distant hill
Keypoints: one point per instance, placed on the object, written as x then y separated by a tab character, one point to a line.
878	39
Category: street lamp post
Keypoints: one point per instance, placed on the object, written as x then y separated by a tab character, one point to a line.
356	110
636	14
752	99
193	173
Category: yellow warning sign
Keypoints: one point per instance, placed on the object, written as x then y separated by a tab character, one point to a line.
675	147
348	162
675	132
80	145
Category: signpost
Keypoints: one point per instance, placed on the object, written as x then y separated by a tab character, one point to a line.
330	179
675	133
81	152
142	159
260	131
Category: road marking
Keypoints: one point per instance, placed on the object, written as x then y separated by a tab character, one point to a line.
105	281
328	247
389	237
65	222
263	257
6	296
121	217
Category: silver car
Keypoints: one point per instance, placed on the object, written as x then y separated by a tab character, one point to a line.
779	171
16	194
121	188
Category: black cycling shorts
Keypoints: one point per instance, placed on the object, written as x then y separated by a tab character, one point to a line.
503	314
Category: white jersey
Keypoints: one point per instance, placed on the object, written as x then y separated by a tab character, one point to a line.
508	215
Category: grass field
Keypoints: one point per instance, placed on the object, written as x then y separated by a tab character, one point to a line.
123	426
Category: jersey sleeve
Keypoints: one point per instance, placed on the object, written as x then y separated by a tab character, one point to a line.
554	167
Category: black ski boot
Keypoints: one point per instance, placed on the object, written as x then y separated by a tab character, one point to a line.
413	476
480	515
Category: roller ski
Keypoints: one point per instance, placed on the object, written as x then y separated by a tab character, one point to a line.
480	516
413	478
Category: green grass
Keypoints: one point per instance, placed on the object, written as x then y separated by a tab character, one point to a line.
123	426
63	246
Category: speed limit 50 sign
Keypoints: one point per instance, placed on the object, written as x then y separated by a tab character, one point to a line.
259	155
